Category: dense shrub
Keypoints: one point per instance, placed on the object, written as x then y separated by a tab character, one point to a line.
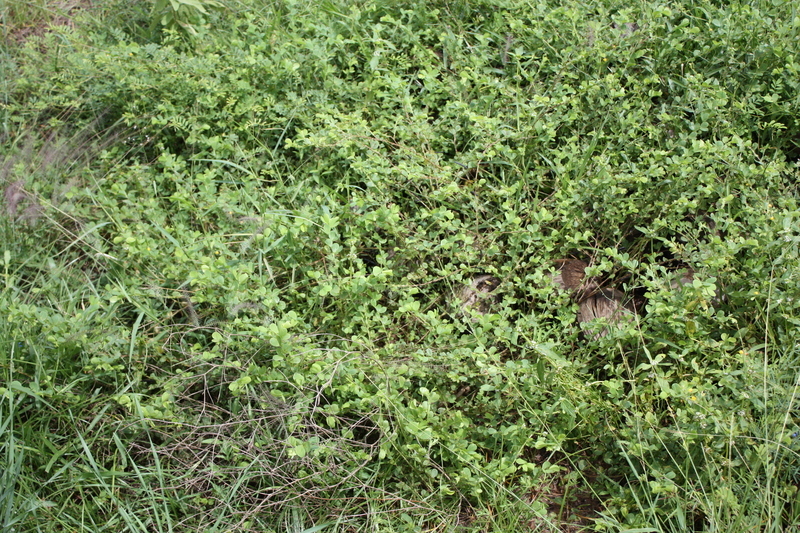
234	244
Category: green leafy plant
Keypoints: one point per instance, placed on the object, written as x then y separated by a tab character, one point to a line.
233	273
187	16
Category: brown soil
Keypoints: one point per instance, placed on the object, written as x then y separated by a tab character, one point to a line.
54	14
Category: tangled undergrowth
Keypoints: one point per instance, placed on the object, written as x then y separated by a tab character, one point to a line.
294	266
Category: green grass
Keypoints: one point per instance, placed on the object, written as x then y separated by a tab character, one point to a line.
233	240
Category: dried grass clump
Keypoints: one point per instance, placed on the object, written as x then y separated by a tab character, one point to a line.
477	297
610	305
37	171
594	301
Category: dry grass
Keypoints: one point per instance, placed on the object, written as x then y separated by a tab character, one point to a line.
25	19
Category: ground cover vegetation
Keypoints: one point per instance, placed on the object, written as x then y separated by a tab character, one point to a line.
236	236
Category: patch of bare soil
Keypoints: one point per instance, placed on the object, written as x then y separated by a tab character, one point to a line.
572	507
54	14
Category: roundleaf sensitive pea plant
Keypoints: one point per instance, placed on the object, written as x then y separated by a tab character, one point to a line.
308	266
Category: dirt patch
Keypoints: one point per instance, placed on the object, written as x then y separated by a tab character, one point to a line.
36	21
572	506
